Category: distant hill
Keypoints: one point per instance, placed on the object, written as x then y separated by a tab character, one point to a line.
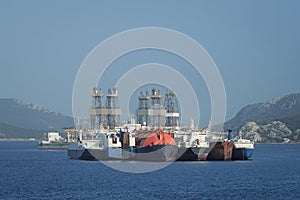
20	118
277	120
9	131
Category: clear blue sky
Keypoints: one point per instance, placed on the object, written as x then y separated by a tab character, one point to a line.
255	44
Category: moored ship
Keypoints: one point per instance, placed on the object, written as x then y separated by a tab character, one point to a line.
105	145
142	145
221	149
81	150
144	141
242	149
155	145
193	146
54	141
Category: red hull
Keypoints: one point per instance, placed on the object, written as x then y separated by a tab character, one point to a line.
222	151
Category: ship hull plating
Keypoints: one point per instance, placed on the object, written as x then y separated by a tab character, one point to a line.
112	153
158	153
80	154
242	153
54	146
192	154
92	154
221	151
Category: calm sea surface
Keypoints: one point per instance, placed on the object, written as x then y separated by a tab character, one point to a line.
29	173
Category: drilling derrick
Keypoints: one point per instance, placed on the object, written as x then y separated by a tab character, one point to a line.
113	108
143	108
172	111
105	112
97	111
157	111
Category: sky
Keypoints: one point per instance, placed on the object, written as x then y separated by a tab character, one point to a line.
254	44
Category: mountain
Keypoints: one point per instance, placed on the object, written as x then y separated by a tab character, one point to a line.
9	131
277	120
20	118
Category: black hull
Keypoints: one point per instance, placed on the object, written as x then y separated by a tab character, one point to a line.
186	154
107	154
158	153
93	155
192	154
80	154
242	153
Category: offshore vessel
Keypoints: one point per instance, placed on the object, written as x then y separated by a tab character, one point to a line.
146	140
109	145
142	145
221	149
155	145
54	141
242	149
193	146
158	145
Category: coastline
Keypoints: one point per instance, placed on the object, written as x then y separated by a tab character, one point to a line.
18	139
277	142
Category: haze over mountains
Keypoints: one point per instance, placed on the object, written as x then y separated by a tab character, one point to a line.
277	120
20	119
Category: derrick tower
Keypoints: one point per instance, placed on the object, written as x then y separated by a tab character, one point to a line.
113	108
105	111
97	111
150	109
157	111
143	108
172	111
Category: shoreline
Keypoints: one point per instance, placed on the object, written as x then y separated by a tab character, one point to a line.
278	143
19	139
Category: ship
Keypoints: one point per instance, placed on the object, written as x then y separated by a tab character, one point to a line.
78	149
159	146
54	141
119	145
142	145
81	150
242	149
193	146
105	145
155	145
221	149
146	140
145	144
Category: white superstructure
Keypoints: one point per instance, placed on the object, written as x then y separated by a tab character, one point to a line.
243	143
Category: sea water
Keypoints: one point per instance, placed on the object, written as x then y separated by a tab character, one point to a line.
29	173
